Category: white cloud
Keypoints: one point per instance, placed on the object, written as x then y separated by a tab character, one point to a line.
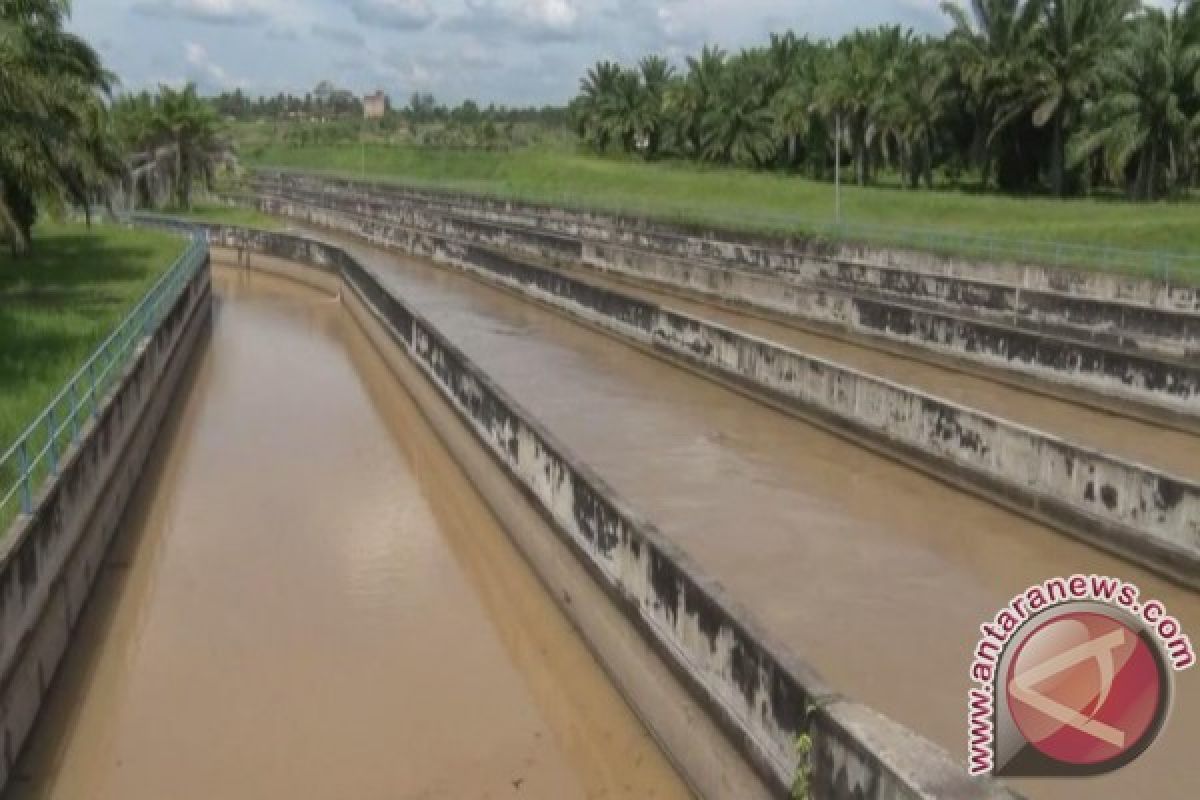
532	20
407	15
557	14
338	35
216	12
207	71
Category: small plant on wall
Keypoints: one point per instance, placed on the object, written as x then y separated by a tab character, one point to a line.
802	783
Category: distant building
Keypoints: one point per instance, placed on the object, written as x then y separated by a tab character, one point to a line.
375	105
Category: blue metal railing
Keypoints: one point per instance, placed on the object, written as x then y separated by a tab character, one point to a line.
38	452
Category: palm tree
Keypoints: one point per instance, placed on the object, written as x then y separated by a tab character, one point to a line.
738	127
54	137
860	76
688	100
596	89
990	50
191	128
915	109
1146	122
626	112
785	53
656	75
794	104
174	140
1065	70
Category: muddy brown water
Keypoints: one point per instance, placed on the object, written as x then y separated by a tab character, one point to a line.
1175	451
876	574
307	599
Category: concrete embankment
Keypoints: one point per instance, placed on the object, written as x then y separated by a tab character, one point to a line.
760	697
1111	355
307	598
50	557
865	566
805	257
1145	515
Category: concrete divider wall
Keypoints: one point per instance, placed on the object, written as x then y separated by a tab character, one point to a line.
1107	322
761	694
49	559
806	257
1140	513
1163	389
1111	323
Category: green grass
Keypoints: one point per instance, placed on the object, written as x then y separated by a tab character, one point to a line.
229	215
58	304
776	202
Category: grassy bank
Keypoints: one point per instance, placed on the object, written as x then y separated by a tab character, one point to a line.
230	215
59	303
780	203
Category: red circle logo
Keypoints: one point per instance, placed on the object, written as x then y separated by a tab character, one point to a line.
1086	689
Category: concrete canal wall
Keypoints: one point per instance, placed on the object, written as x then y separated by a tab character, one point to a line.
1140	513
1153	380
756	695
49	558
806	258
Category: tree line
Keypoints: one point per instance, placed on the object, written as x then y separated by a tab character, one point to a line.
1062	96
422	108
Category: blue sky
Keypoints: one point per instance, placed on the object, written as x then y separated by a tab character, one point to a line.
516	52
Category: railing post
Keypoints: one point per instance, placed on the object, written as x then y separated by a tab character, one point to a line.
26	489
95	399
73	395
52	444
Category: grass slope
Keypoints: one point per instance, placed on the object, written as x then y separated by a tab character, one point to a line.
58	304
230	215
777	202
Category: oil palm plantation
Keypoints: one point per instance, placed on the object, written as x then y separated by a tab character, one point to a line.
1064	70
861	74
795	109
1144	126
596	89
913	112
1013	89
738	126
688	99
656	75
990	48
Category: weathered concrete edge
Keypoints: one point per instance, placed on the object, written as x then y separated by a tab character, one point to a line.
947	440
759	691
1111	322
765	250
50	558
1139	384
1137	512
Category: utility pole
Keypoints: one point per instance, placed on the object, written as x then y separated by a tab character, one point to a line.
837	172
362	140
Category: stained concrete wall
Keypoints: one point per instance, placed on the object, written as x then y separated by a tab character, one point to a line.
759	694
1147	384
49	559
800	256
1145	515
